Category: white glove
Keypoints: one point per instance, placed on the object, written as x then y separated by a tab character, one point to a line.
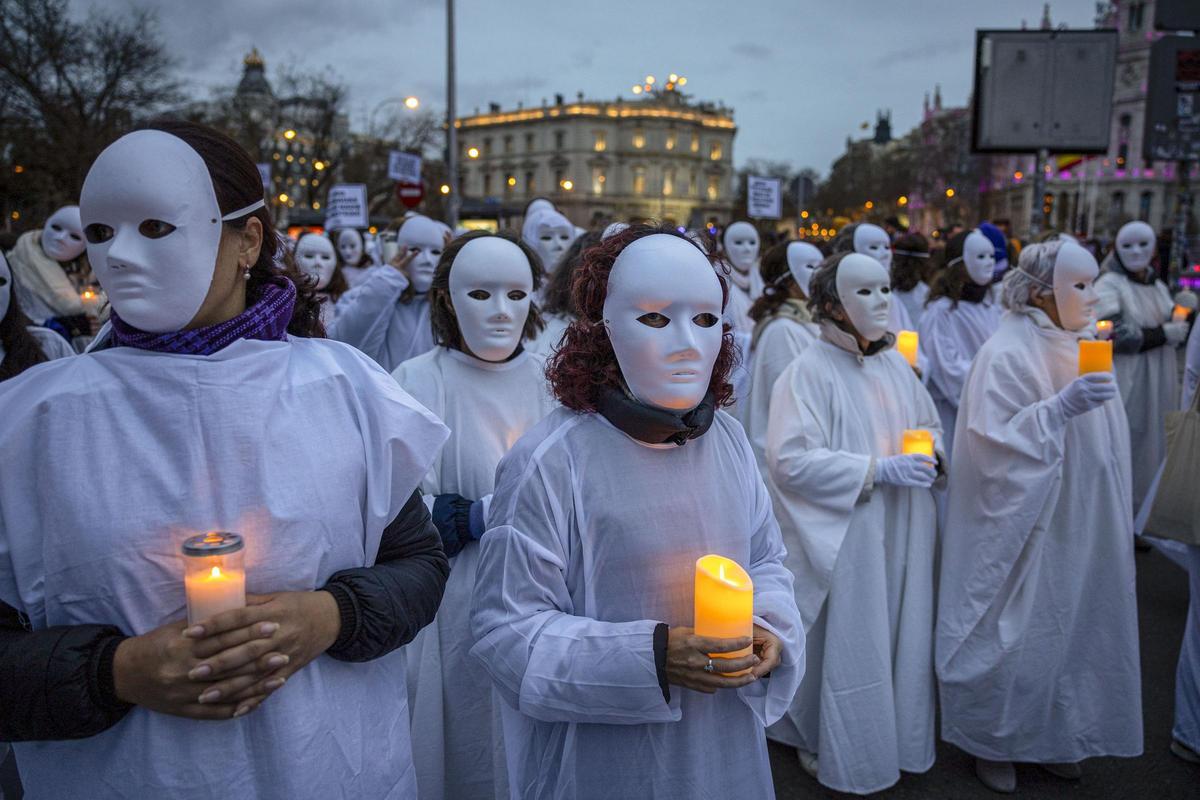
913	469
1087	392
1176	333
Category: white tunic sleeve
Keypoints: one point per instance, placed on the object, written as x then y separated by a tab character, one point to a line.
546	662
942	343
365	311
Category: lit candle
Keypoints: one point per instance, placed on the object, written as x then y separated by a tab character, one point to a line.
90	301
906	345
1180	314
724	603
916	441
1104	329
1095	356
214	577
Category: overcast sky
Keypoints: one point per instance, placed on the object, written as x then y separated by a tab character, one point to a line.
800	75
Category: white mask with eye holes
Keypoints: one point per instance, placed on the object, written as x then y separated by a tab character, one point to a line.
662	313
803	259
491	286
314	256
1075	272
6	285
979	257
350	246
1135	244
864	289
873	241
153	227
62	235
550	234
425	239
741	247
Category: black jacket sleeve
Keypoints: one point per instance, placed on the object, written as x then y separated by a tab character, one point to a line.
56	683
383	606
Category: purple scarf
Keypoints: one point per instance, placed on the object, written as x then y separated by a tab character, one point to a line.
266	319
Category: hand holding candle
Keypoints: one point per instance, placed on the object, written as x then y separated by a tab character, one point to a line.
907	344
724	602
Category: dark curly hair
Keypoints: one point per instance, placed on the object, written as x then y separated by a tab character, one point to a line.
237	184
910	270
21	350
585	364
823	297
441	310
557	297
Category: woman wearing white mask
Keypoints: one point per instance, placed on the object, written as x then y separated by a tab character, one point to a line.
740	243
489	391
557	305
859	522
960	315
387	314
549	233
23	345
208	409
354	262
783	328
1144	343
51	273
1037	644
316	258
583	604
872	240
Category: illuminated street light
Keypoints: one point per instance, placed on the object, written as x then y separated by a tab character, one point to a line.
512	181
1018	175
289	134
650	80
411	103
18	169
318	165
445	189
472	152
567	184
868	205
682	81
283	198
949	193
673	78
803	215
637	89
903	200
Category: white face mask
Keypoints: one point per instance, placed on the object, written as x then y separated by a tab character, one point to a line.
5	287
1075	272
350	246
1135	245
491	285
426	239
662	313
153	227
803	260
741	247
62	235
550	234
315	256
864	289
873	241
979	257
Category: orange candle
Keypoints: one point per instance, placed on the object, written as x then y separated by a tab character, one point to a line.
906	345
917	441
724	603
1095	356
1104	329
1180	314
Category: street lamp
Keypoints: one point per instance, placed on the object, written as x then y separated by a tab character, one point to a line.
472	152
445	189
411	103
949	192
289	134
868	205
903	200
568	184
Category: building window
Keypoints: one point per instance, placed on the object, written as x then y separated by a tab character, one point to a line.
598	180
529	143
1145	202
695	143
560	140
671	138
1123	126
508	143
714	151
600	142
714	187
692	189
1116	206
487	145
1137	13
668	182
487	184
559	177
639	139
639	180
530	184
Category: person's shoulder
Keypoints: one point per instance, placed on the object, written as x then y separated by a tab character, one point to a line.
426	364
550	440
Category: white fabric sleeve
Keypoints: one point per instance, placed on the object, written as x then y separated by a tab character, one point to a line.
948	363
544	660
364	311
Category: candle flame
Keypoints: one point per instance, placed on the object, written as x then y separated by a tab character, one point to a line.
88	294
216	572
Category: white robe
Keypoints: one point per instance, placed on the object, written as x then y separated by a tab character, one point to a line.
737	315
950	338
1037	643
863	557
1149	381
372	318
458	751
593	541
547	341
914	301
356	275
781	340
306	448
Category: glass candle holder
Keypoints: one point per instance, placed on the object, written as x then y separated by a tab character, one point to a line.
214	576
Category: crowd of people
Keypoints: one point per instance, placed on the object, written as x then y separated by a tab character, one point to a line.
476	473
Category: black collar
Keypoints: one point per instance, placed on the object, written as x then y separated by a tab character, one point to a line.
653	425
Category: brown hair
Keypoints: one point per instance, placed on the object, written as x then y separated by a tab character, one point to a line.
237	184
585	364
441	309
822	290
910	270
952	278
778	282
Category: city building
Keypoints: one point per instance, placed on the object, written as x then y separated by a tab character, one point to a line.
659	155
1094	196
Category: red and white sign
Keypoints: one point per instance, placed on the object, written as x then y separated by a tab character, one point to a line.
410	194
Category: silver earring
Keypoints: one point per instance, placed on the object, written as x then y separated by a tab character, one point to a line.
246	275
